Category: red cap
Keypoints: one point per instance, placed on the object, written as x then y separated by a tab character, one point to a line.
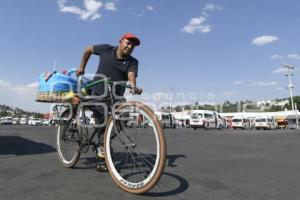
131	37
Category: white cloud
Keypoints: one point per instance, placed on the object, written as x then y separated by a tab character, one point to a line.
197	24
262	83
140	13
238	82
92	6
22	96
280	70
110	6
212	7
151	8
25	90
229	93
294	56
33	85
71	9
90	11
68	9
265	39
276	56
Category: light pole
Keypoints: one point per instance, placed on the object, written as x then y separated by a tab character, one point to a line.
290	86
289	73
170	99
296	116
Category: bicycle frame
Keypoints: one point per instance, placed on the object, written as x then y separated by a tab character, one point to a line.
110	101
135	157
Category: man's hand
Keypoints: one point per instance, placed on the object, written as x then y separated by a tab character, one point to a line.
75	100
135	90
79	72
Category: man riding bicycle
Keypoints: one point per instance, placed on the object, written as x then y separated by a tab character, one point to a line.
117	64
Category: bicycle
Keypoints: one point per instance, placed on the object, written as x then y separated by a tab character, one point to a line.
135	155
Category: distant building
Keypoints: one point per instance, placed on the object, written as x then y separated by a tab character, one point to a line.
282	103
292	121
264	103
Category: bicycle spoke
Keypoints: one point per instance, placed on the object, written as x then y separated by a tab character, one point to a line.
67	142
134	158
136	163
147	167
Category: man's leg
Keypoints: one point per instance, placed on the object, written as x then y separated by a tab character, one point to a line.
99	117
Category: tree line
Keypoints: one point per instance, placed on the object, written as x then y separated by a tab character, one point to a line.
6	110
240	106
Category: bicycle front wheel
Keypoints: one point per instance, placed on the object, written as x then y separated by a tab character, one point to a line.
135	148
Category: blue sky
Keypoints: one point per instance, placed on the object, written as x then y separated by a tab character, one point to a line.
205	51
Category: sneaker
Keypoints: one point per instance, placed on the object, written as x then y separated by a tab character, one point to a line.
100	152
102	167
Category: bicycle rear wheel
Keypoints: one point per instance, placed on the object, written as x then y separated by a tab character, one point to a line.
135	154
67	140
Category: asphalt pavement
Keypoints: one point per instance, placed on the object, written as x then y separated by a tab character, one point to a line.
201	164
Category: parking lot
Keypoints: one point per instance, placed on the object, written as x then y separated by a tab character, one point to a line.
201	164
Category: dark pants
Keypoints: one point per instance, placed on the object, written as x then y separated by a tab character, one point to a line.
99	116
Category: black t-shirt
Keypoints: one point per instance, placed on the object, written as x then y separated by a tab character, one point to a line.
112	67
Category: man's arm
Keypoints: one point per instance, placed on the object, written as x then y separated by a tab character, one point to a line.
85	57
132	80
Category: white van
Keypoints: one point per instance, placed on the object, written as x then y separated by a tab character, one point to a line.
46	122
265	123
23	121
16	120
240	122
166	119
7	120
35	122
202	119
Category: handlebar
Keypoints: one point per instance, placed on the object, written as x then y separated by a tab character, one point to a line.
107	80
90	85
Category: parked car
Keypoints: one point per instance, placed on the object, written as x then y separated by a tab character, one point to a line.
35	122
16	121
166	120
136	123
23	121
7	120
240	122
203	119
265	123
282	122
45	122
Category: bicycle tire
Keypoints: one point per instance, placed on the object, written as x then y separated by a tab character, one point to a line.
150	181
64	128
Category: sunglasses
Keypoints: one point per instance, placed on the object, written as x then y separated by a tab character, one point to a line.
132	43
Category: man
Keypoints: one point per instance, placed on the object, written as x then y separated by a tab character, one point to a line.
117	64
